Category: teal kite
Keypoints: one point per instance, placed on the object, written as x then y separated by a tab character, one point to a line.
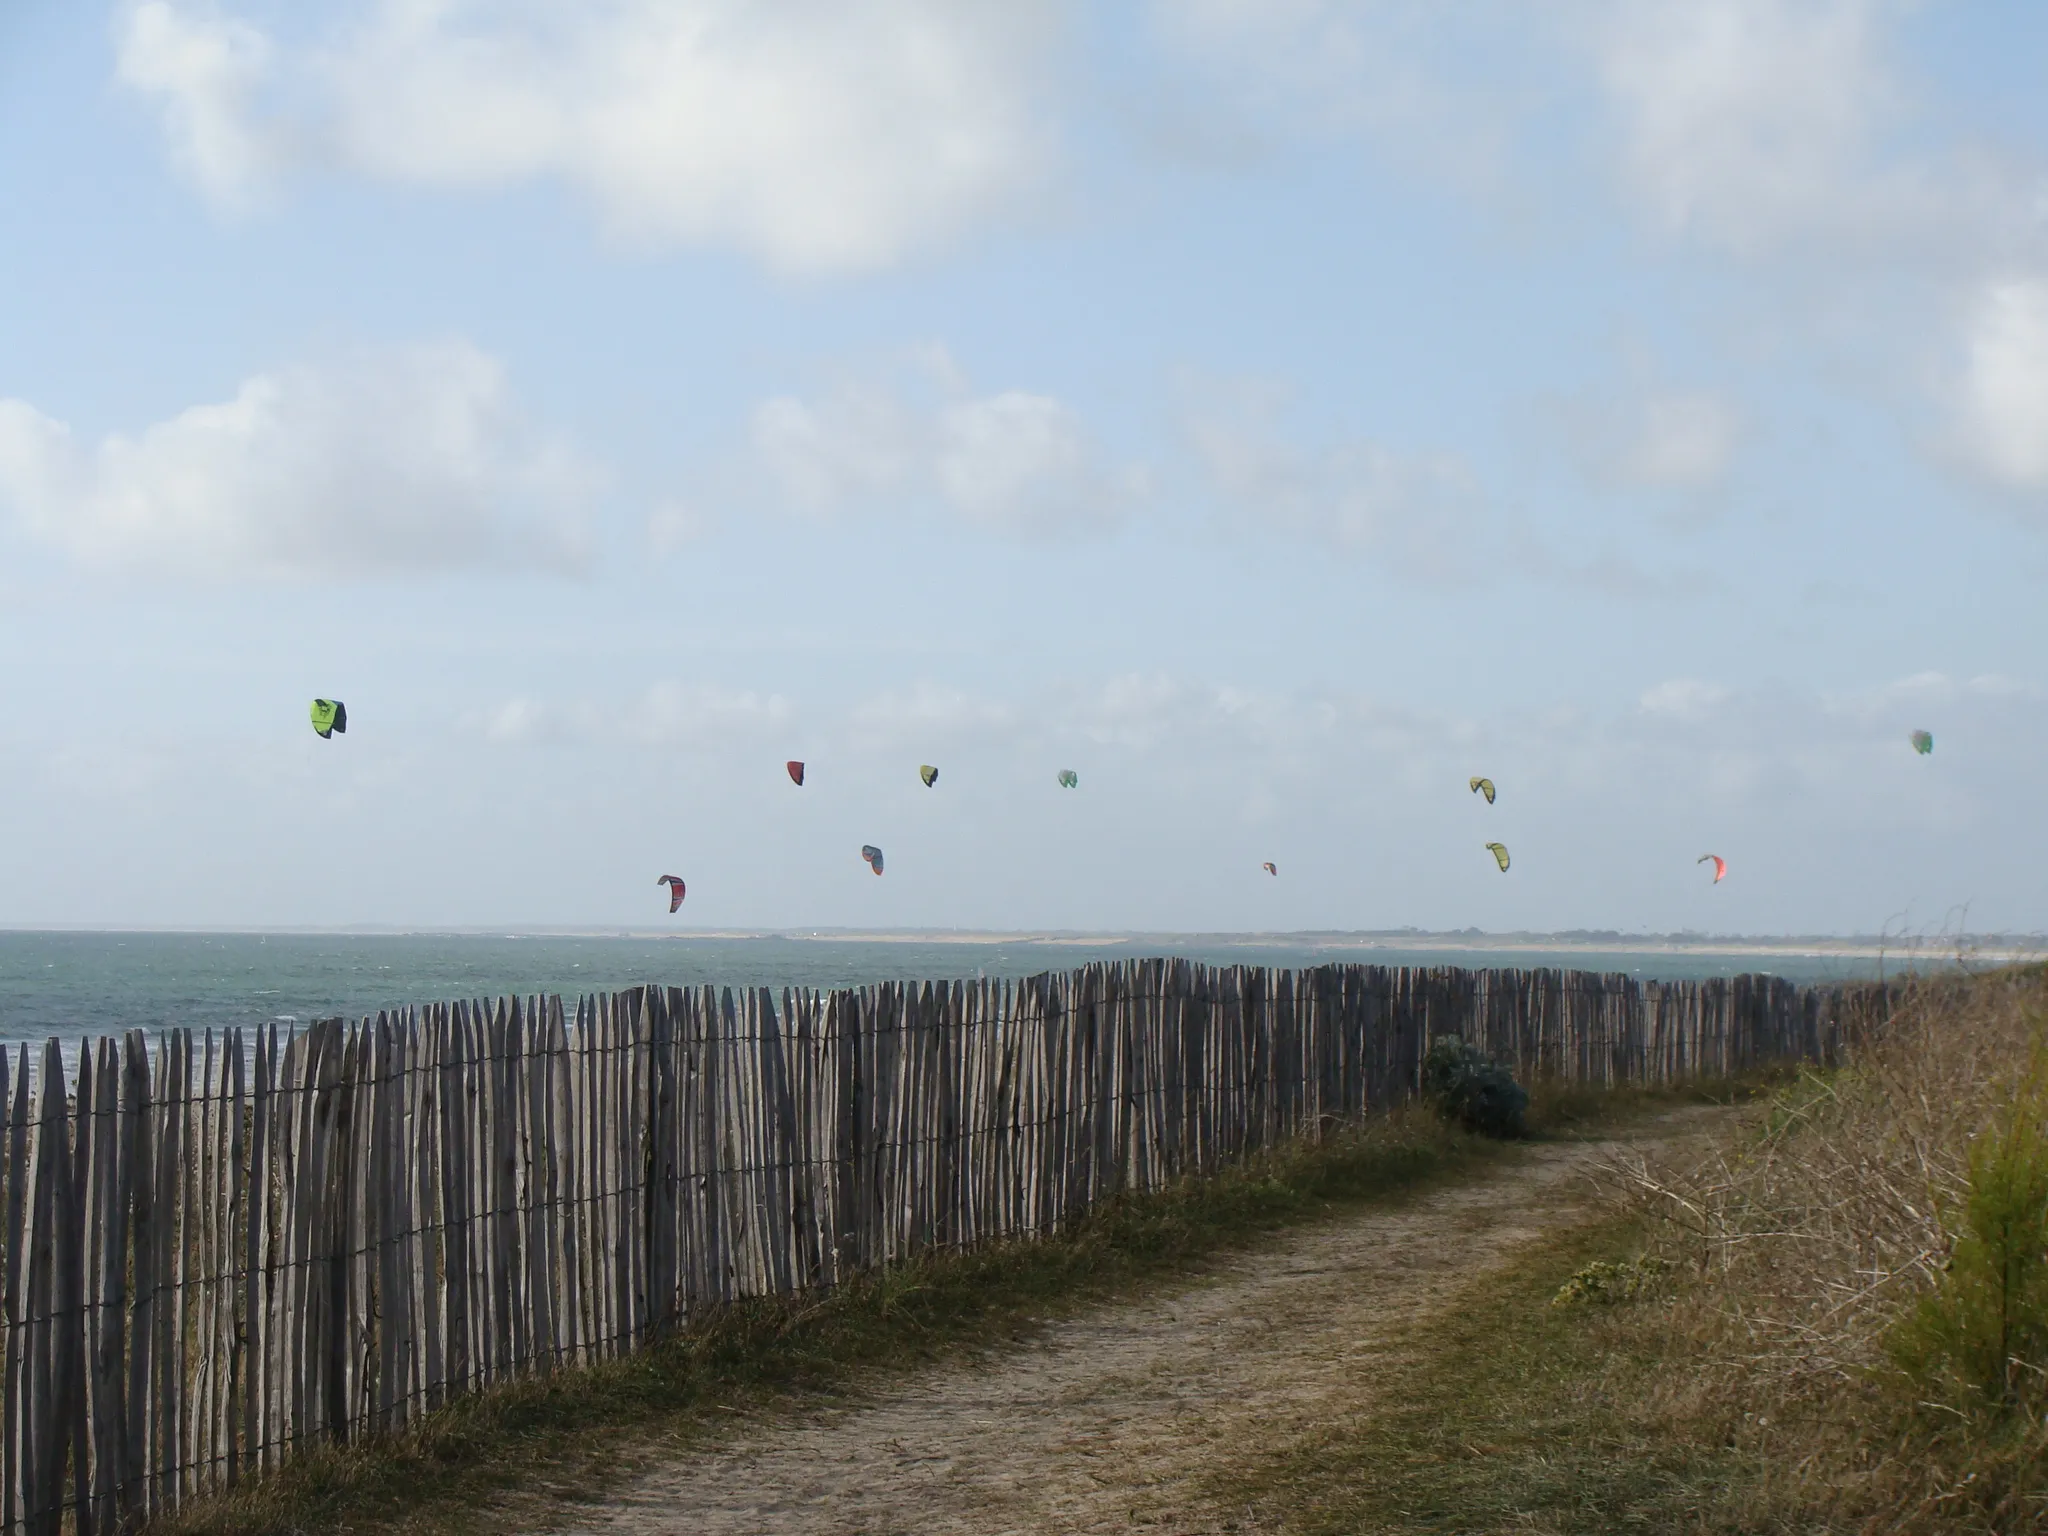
1069	778
1923	742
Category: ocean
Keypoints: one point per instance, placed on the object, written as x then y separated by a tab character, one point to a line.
70	984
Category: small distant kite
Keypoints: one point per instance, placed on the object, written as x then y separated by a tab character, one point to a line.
329	716
873	855
1923	742
1268	867
1720	864
675	890
928	773
1069	778
1500	855
796	772
1483	787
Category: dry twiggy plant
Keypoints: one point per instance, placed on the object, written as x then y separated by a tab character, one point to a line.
1816	1241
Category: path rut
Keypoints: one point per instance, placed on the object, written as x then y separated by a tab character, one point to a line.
1106	1422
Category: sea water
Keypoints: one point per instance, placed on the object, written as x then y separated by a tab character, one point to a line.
71	985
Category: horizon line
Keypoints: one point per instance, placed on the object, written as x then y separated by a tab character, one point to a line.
1407	937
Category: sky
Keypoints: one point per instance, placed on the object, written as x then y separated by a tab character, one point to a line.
1276	411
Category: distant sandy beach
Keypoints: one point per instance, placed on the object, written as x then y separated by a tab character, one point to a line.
1994	950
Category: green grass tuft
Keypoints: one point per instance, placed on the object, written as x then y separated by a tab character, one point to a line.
1507	1414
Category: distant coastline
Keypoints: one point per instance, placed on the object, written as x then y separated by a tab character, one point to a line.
77	982
1988	948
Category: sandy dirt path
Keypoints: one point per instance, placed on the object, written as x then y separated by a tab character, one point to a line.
1105	1422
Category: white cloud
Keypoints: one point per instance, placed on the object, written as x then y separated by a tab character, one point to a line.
204	70
674	524
1684	698
1437	85
668	713
928	712
1417	513
1743	124
1906	702
2003	409
1021	463
1013	462
818	136
407	459
1996	685
702	713
1674	441
860	442
1746	119
1683	441
1761	124
516	720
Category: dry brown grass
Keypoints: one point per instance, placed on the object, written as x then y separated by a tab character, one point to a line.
1807	1243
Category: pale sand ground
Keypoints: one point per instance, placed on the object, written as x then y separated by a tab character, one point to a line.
1105	1423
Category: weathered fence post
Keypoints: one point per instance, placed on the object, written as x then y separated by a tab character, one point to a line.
212	1258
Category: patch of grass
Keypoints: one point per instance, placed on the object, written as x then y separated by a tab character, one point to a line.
1561	1110
1504	1413
1866	1283
1836	1327
529	1444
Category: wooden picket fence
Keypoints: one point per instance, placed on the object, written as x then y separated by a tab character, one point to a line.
219	1250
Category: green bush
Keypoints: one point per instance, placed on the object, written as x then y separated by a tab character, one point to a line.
1468	1089
1606	1282
1981	1335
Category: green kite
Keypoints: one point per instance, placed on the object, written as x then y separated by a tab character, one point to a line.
329	716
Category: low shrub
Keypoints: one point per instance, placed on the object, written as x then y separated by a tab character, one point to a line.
1977	1339
1469	1090
1607	1281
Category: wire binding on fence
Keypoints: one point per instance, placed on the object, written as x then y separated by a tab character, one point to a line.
220	1250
